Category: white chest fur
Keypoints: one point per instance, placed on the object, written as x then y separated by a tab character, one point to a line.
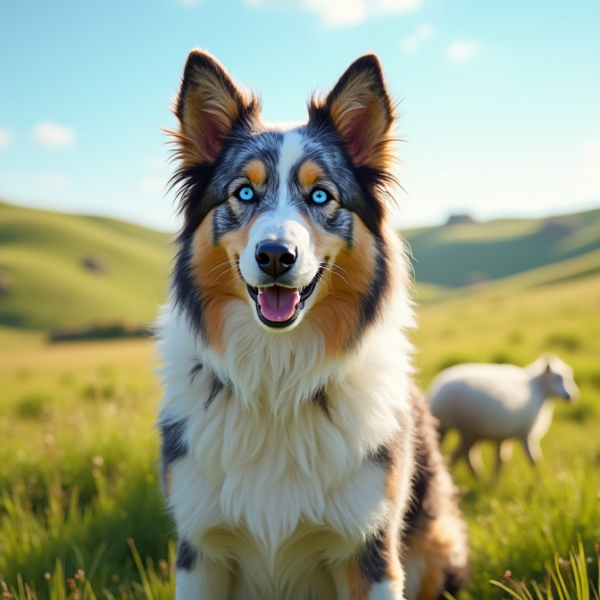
266	467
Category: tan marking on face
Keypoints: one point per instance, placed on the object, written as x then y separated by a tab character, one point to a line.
337	311
235	242
434	546
358	586
310	172
216	274
257	172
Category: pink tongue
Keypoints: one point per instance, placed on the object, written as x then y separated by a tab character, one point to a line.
278	303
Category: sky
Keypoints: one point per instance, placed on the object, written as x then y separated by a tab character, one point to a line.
499	99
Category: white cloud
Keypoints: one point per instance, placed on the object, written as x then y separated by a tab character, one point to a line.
6	138
462	50
53	135
153	184
411	43
395	6
55	182
343	13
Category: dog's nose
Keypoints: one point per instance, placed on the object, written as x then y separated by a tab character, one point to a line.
274	258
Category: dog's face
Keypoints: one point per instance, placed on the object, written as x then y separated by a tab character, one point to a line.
289	220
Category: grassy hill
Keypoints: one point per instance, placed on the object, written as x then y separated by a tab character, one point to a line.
43	258
579	267
466	253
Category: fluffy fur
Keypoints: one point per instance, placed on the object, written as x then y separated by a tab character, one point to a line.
290	434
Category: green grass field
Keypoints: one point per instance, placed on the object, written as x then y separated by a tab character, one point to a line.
79	451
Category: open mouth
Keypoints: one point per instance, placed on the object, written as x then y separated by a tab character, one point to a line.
279	306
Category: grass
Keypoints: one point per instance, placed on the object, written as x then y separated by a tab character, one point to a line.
155	582
81	514
79	474
564	579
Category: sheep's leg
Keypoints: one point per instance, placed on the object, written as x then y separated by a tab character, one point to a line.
503	453
465	450
461	451
532	449
474	460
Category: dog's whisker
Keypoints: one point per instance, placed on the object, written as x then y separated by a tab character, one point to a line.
218	266
331	268
228	284
231	268
336	266
338	270
334	272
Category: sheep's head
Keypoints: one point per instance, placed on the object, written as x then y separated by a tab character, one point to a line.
557	378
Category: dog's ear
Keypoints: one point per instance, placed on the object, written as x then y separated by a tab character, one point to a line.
361	110
208	106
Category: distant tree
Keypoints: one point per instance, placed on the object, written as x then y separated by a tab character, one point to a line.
557	227
460	219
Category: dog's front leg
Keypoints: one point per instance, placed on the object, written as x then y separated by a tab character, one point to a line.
198	578
378	576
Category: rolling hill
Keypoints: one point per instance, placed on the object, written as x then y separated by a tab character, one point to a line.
465	253
71	270
60	269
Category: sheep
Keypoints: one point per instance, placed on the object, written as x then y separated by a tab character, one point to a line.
500	403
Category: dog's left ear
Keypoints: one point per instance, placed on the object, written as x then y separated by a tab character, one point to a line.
361	110
208	106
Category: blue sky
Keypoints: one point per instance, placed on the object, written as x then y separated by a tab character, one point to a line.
500	100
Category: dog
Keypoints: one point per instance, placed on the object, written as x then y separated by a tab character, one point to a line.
298	458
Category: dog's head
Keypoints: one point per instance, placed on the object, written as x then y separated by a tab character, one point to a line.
290	221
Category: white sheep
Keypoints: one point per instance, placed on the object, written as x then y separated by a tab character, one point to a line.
500	403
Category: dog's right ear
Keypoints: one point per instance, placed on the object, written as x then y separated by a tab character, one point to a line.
362	112
208	106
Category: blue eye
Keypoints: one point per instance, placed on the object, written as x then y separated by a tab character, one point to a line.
245	193
319	196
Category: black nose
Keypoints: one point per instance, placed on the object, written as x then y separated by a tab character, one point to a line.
274	258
